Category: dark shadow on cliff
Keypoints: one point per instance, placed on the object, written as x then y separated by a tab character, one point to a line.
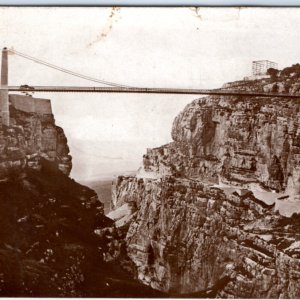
48	247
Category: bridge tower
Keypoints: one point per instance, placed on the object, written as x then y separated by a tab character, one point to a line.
4	103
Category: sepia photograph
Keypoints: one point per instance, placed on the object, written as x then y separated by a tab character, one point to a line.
150	152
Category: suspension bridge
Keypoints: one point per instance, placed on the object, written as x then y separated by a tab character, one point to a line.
74	89
109	87
112	87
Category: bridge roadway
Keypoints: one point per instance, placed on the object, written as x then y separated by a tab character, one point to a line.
137	90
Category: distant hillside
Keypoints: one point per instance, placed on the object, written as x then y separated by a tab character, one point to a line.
103	190
103	187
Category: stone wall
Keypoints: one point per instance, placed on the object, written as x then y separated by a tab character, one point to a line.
31	105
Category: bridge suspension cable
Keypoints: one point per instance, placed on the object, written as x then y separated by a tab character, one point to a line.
49	65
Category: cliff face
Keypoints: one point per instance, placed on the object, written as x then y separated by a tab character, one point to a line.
47	219
32	135
243	142
195	227
187	237
50	244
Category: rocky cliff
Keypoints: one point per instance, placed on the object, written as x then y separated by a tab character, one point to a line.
242	142
32	135
50	241
206	215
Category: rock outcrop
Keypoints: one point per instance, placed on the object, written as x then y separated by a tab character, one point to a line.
242	142
195	227
32	135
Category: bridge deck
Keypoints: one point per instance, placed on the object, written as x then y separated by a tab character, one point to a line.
136	90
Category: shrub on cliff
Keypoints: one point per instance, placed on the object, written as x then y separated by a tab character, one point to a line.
273	73
294	69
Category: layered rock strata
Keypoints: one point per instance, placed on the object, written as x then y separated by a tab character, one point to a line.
242	142
195	227
186	237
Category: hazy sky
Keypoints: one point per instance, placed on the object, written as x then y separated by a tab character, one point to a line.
153	47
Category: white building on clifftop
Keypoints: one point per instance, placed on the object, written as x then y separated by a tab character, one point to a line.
260	67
